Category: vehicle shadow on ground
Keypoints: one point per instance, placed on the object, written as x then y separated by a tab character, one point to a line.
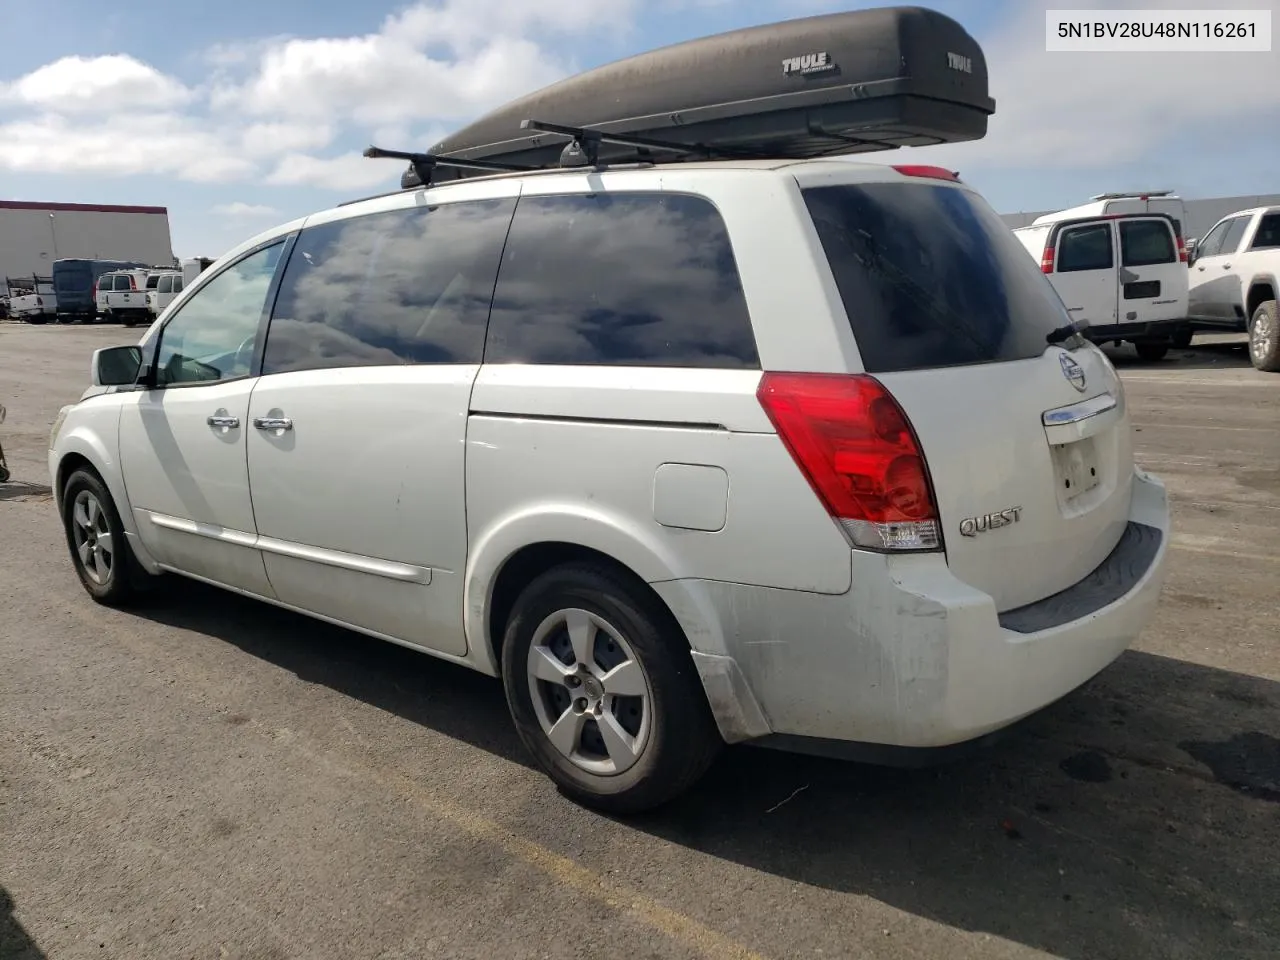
1199	356
1135	818
15	942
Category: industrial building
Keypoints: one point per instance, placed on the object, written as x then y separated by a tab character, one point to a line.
33	235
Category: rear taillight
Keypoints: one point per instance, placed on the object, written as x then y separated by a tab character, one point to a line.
1046	259
133	283
1182	250
856	448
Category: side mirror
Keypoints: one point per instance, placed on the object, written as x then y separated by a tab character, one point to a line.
1191	251
116	366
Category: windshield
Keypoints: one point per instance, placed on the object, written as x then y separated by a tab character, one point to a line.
930	276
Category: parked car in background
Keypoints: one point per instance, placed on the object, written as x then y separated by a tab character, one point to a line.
74	283
122	295
1234	280
162	287
1124	273
31	298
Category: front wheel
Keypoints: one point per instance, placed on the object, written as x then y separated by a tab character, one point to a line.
1182	339
603	691
96	538
1264	338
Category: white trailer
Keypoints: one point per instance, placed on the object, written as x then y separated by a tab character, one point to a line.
34	235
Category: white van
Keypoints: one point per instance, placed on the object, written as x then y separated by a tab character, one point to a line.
1138	295
1108	204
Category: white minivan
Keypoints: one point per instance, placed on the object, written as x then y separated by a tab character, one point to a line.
796	453
1123	274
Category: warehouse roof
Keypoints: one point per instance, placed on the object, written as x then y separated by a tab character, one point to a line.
80	207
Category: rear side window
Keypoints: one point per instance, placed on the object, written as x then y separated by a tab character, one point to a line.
1144	243
1268	234
152	281
177	284
636	279
164	284
930	276
1234	234
402	287
1085	248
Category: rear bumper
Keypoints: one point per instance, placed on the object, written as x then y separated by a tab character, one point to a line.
912	657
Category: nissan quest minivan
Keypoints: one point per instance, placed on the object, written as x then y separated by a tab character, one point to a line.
801	453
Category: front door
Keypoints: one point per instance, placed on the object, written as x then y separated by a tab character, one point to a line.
1084	272
357	428
1215	279
182	440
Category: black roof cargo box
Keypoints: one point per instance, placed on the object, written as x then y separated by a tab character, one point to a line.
838	83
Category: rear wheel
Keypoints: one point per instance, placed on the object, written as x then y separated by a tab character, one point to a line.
603	690
1152	350
99	549
1264	338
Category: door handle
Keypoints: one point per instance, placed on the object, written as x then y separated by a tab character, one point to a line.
273	423
229	422
1226	266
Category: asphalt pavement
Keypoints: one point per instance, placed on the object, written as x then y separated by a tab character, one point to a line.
208	777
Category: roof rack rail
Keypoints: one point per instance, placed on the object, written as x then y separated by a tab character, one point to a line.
1132	193
583	150
421	165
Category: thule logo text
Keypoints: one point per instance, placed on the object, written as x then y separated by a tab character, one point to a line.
809	63
956	62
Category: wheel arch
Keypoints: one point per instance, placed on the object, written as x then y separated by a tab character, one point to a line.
1262	288
514	548
80	447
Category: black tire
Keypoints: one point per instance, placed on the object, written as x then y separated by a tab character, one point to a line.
1264	337
125	580
680	740
1182	339
1151	350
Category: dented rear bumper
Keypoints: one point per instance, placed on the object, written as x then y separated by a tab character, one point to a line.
911	656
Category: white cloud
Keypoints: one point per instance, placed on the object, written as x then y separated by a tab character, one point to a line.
1097	110
269	108
75	84
239	210
161	144
348	171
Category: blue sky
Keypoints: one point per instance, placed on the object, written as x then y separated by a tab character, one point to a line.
239	114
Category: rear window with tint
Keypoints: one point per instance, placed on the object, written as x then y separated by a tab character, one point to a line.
1144	243
1084	248
930	276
